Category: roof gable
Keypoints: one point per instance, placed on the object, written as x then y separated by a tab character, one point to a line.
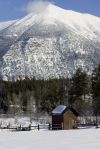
59	109
62	109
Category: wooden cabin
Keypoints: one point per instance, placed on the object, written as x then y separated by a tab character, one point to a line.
64	117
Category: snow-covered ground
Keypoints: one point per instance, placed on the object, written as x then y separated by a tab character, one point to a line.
80	139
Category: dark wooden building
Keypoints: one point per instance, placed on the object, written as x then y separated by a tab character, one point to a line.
64	117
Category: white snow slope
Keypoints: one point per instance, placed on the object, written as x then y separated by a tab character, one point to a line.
49	44
81	139
4	25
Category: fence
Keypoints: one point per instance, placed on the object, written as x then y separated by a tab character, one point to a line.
89	120
28	128
43	123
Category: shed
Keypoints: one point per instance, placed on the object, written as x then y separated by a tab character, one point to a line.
64	117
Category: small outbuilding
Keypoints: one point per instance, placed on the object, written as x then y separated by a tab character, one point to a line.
64	117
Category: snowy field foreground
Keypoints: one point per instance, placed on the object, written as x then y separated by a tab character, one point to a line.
81	139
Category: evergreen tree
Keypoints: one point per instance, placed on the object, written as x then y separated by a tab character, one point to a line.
96	90
81	84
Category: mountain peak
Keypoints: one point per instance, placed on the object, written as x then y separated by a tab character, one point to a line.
45	8
49	43
50	14
51	7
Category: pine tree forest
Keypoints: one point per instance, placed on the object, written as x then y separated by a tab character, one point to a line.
82	91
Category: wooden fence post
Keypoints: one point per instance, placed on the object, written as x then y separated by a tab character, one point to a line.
49	127
38	127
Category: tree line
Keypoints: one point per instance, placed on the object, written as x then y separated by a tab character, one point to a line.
82	91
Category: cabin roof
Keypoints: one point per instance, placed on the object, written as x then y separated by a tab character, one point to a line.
62	108
59	109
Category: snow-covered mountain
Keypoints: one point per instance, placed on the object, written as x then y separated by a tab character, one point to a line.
49	44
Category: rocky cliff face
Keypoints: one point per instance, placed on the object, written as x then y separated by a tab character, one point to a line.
50	44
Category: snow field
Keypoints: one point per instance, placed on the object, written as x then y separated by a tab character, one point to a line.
81	139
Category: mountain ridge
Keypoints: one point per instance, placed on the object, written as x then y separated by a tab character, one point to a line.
49	44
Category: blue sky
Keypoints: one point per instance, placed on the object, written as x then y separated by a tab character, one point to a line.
14	9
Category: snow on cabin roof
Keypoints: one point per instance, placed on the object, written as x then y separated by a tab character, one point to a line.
59	109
